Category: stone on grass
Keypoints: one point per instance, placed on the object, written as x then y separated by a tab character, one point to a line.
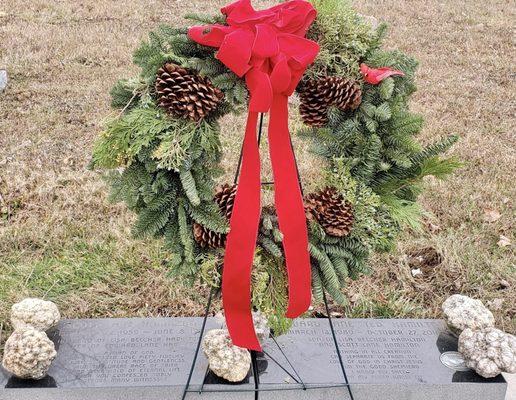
225	359
35	313
28	354
488	351
463	312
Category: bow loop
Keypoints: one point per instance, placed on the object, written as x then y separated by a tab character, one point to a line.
236	50
281	76
261	39
260	87
265	42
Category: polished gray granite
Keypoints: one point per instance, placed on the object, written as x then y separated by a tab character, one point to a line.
149	359
385	359
110	359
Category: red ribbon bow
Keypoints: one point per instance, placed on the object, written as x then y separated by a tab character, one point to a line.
268	48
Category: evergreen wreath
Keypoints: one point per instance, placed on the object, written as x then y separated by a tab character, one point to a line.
163	151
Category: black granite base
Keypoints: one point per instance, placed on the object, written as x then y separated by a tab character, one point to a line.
149	359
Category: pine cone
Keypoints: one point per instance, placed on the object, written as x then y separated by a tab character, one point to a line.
186	94
207	238
314	105
343	93
318	95
331	211
225	199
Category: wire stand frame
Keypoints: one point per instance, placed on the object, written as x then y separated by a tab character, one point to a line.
254	355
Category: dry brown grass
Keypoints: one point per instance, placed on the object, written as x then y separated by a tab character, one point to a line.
61	239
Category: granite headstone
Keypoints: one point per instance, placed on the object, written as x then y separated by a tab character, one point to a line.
135	359
383	359
122	359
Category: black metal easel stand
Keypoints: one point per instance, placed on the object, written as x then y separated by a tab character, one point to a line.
254	354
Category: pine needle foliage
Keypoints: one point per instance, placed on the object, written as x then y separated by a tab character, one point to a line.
378	143
373	156
270	293
344	37
165	168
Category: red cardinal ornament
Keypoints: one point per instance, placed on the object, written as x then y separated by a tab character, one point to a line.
375	76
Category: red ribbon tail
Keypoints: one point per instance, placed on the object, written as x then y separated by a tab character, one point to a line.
269	48
241	243
290	209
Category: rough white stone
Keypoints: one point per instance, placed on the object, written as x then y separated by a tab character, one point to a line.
3	80
261	327
225	359
488	351
28	354
35	313
463	312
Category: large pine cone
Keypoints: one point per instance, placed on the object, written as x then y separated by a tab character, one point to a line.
207	238
314	105
331	211
225	199
318	95
186	94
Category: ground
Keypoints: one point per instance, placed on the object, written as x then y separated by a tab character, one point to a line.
61	239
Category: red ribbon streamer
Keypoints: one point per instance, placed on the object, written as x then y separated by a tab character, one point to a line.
268	48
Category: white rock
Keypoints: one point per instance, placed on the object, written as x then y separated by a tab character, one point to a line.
225	359
3	80
416	272
28	354
488	351
36	313
463	312
261	327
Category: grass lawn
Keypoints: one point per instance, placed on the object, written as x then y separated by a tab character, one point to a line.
61	239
